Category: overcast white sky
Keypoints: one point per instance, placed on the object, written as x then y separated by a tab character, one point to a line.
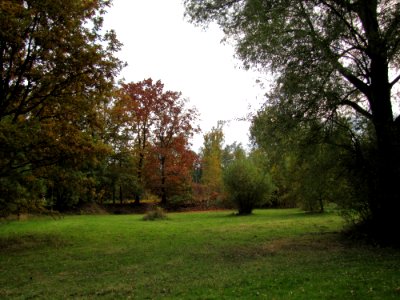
160	44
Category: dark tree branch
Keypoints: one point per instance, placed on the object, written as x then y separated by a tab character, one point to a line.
357	108
357	83
394	81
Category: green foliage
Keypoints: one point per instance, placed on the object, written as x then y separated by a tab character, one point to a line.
331	60
232	152
21	194
155	213
211	163
247	184
311	163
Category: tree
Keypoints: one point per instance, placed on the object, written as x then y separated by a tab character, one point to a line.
173	127
168	171
247	184
329	57
152	127
211	162
136	108
50	55
232	152
310	163
57	68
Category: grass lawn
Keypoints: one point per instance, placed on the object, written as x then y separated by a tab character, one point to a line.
273	254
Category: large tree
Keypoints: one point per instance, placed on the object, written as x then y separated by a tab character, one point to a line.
329	57
53	52
138	106
56	69
174	126
157	125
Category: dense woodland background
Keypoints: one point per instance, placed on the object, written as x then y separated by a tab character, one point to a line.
327	135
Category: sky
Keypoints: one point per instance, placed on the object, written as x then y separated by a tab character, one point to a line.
160	44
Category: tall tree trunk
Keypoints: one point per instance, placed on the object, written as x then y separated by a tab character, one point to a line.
385	200
386	197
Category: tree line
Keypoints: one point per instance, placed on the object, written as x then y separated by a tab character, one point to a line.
328	132
69	134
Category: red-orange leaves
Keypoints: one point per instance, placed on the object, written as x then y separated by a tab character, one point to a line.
159	126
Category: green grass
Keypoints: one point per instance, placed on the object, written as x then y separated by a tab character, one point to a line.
273	254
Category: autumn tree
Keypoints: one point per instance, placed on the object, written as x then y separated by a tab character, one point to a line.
157	127
173	127
57	68
138	105
329	57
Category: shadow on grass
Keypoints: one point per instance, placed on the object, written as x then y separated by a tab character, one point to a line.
309	244
284	214
28	242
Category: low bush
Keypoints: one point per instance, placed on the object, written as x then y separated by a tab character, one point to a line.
155	214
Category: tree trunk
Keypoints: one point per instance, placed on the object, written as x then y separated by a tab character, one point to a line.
163	180
321	205
386	197
113	194
120	194
139	176
142	146
386	205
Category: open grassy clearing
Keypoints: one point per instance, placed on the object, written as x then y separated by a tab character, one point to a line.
273	254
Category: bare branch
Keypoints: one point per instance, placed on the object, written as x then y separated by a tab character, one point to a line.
394	81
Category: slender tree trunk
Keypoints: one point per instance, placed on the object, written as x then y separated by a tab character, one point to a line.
113	193
142	147
321	205
120	185
163	180
139	176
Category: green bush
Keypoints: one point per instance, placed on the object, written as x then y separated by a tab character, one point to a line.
246	184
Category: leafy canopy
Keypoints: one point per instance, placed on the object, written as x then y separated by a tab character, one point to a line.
325	53
57	68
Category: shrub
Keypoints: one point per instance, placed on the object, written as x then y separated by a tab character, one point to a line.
154	214
246	184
